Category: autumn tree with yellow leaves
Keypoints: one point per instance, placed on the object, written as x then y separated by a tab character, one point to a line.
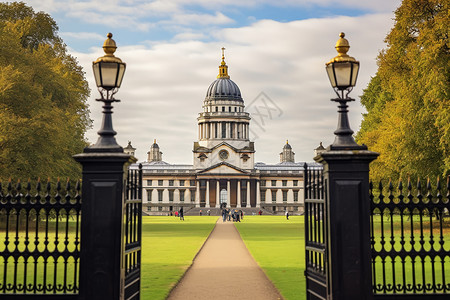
43	98
407	101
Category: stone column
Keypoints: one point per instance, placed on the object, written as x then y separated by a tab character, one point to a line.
248	194
258	194
197	194
238	201
228	191
207	194
217	193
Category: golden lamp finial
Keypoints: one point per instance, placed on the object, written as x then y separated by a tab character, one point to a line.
342	47
109	47
154	141
287	141
223	68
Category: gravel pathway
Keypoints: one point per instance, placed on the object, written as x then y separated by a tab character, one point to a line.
224	269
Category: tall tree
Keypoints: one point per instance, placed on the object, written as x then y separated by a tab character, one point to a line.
407	101
43	97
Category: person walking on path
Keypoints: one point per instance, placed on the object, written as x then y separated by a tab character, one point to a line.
224	269
181	214
287	215
224	215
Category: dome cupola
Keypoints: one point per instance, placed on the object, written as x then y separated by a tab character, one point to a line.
223	88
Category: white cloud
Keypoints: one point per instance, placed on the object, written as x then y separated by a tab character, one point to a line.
200	19
144	15
82	35
189	36
165	84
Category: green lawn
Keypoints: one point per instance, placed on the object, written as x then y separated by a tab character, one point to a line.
169	246
278	246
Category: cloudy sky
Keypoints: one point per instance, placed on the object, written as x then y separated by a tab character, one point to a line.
275	50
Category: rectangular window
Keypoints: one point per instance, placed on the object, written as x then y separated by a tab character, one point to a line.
192	196
295	196
231	130
160	182
170	182
171	195
229	108
160	195
274	183
285	196
215	129
149	182
224	130
192	182
263	183
181	195
223	108
263	196
274	196
284	182
202	182
149	195
181	182
235	109
295	182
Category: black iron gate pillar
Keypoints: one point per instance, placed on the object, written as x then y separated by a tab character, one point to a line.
346	176
101	265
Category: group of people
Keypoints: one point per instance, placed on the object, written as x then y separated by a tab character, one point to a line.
180	214
228	214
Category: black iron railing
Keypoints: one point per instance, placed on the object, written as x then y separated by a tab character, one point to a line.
133	233
315	233
39	239
410	237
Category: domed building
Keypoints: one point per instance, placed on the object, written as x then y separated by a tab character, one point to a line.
223	173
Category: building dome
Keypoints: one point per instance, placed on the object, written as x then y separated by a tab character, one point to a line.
154	145
287	146
223	89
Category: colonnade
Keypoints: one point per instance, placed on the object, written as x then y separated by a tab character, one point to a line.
219	130
234	192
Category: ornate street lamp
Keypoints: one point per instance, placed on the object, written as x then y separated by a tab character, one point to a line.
343	72
108	73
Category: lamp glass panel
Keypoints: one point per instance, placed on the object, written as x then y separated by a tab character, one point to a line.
96	68
355	72
343	74
120	75
330	73
108	74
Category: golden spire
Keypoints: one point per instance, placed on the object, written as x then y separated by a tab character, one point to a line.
223	68
287	141
154	141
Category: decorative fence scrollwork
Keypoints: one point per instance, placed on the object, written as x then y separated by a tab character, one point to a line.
39	239
410	237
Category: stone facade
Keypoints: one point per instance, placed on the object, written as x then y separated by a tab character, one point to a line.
223	172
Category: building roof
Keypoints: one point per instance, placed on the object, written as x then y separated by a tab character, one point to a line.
224	89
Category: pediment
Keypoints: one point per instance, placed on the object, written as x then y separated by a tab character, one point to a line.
223	168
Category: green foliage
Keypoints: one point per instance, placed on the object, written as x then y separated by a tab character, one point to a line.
43	95
407	102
